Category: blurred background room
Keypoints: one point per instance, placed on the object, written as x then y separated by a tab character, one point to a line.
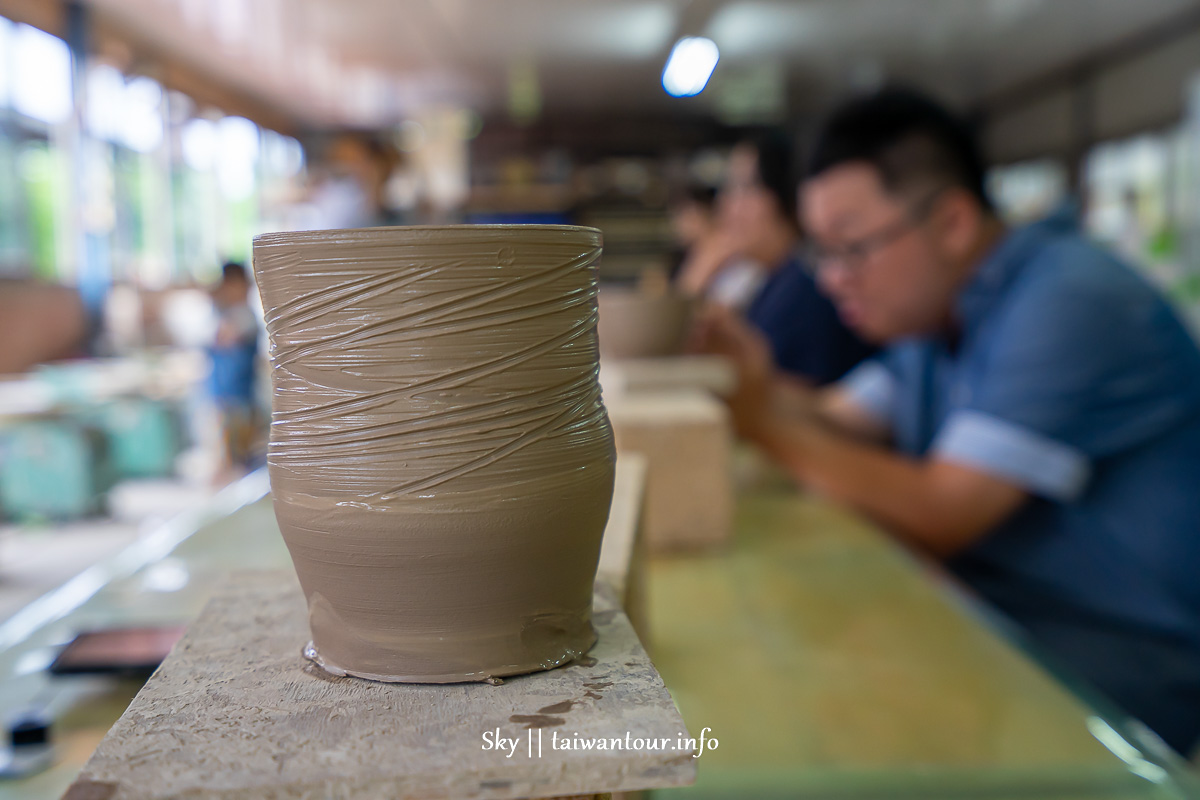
144	143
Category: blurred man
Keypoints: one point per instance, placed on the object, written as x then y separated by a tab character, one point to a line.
757	233
1035	420
352	192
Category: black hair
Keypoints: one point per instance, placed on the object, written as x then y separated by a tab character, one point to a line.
233	270
776	160
908	137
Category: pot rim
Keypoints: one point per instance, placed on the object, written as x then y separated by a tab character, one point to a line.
273	237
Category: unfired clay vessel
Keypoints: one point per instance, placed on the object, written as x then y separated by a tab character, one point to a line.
440	459
636	323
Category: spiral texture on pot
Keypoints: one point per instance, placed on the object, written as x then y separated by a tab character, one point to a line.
423	361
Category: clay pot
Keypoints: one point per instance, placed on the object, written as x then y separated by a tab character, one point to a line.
638	324
440	459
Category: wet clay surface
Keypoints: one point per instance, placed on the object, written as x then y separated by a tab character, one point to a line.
441	462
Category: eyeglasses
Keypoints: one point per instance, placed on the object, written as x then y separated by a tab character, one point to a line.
851	257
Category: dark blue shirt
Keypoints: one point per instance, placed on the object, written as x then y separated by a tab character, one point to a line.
1074	379
802	326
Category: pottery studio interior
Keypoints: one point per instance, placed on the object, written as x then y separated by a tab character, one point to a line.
512	399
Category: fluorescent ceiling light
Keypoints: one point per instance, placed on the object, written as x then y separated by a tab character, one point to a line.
690	65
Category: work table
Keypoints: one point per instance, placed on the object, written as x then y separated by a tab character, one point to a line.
830	662
822	656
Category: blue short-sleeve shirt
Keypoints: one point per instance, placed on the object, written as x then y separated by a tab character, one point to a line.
1074	379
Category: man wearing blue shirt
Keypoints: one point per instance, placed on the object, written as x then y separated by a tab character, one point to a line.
1034	420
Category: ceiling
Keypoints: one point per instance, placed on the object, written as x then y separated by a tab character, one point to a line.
374	62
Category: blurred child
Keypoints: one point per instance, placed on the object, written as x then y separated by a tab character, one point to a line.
234	353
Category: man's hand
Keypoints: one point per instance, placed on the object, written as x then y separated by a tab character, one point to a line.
721	332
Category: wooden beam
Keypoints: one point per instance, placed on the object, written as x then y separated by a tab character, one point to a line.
47	16
1071	74
141	54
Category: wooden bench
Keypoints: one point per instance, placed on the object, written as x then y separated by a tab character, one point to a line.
236	712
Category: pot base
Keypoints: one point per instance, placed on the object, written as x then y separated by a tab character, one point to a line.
311	653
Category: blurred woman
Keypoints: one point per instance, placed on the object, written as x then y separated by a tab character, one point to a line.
751	261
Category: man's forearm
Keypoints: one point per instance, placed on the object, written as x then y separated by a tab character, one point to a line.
793	398
828	406
869	478
915	499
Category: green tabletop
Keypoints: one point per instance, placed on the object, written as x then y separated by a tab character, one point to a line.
829	662
824	659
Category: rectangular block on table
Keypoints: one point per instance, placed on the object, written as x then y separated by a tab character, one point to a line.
623	551
686	439
236	712
715	374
